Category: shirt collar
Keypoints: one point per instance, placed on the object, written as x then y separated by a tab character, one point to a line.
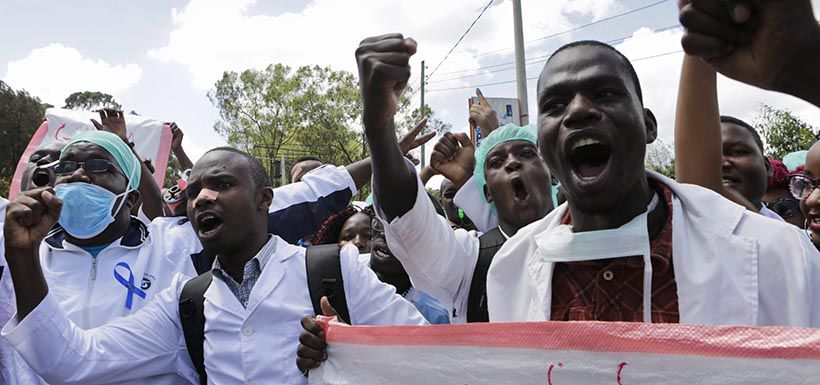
262	257
135	236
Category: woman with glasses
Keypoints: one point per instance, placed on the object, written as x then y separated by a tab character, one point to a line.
778	197
804	187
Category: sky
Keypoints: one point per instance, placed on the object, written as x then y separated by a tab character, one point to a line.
161	57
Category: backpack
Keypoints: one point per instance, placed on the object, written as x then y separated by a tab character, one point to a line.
324	278
488	244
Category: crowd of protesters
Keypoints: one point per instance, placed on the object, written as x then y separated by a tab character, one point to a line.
107	278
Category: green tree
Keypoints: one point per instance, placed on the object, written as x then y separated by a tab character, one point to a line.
433	122
91	101
783	132
20	115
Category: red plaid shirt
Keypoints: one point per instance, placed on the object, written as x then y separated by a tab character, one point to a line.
612	289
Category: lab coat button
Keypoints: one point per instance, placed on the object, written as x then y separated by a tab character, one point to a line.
248	331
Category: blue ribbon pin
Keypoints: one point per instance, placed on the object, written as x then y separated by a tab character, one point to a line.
129	284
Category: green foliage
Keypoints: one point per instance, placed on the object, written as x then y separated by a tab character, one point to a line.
91	101
278	112
5	184
20	115
782	132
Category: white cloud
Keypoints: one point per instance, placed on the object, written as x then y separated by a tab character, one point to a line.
55	71
212	36
660	76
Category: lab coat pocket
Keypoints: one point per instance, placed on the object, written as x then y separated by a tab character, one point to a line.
289	339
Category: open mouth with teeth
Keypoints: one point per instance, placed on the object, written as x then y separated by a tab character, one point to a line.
208	224
589	158
730	180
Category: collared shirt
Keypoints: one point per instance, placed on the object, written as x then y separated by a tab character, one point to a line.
250	274
612	289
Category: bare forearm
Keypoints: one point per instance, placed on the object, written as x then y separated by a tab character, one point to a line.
393	183
149	191
29	283
426	173
184	161
360	172
698	153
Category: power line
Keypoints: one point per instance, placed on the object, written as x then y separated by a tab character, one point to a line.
460	39
530	61
578	27
536	77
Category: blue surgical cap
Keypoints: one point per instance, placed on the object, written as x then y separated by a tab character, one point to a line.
125	158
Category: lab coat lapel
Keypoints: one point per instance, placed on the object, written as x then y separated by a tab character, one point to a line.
715	271
272	274
540	270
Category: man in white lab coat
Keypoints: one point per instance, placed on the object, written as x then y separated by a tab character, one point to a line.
712	262
252	306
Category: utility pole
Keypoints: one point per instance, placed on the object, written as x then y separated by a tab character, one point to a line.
520	65
422	108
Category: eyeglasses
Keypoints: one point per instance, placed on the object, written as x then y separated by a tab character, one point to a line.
801	186
66	167
784	207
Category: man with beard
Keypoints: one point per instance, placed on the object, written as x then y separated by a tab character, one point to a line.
632	245
252	307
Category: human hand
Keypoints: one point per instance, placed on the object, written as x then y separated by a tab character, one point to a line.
312	346
483	115
29	217
113	121
771	44
176	138
411	141
454	158
384	70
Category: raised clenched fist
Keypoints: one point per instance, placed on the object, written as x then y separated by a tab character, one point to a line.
384	70
771	44
29	218
454	158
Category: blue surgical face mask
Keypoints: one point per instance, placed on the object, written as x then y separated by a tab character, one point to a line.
87	209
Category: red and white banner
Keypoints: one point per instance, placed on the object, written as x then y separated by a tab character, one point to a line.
569	353
151	137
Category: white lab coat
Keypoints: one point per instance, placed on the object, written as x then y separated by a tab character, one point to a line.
253	345
440	261
732	266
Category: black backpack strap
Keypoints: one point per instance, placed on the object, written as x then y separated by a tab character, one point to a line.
488	244
324	278
192	316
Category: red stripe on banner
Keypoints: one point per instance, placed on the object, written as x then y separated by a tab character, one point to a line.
33	145
674	339
163	153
